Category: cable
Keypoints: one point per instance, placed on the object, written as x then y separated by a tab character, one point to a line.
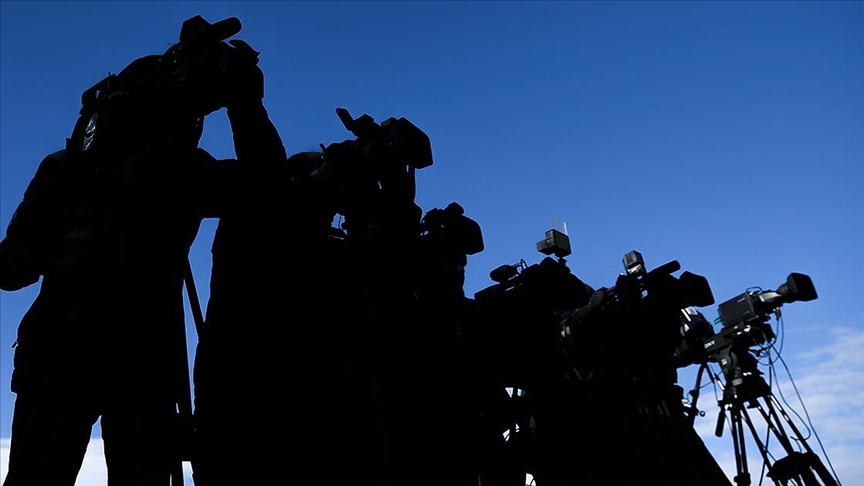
781	330
768	427
806	423
807	414
764	349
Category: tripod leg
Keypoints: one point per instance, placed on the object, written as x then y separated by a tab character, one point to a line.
743	476
763	449
789	468
810	457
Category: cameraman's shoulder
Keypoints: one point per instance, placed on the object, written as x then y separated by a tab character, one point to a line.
59	155
202	156
52	162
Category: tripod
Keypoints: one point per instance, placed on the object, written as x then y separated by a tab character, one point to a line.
745	385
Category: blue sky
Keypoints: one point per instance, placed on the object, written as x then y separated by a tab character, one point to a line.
726	135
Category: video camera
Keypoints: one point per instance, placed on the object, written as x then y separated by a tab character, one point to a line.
745	317
152	90
395	140
548	285
369	175
632	329
522	333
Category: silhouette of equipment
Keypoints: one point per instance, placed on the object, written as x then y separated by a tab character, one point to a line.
745	325
593	374
185	78
369	181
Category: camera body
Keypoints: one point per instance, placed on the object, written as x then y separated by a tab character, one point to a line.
745	323
157	96
631	331
369	179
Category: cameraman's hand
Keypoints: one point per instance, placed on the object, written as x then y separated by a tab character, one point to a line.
244	81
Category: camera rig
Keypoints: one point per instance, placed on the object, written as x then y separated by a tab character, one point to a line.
592	373
745	319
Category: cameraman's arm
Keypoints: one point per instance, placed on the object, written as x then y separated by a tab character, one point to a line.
20	248
256	140
233	186
261	159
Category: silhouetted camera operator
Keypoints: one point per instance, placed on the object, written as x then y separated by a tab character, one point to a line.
107	223
269	365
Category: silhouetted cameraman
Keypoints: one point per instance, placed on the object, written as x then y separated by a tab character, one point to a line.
107	223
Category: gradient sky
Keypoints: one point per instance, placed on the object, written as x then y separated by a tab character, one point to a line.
726	135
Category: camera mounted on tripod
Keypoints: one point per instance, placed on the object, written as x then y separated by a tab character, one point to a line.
749	312
745	326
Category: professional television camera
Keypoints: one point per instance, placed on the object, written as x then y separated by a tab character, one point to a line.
745	317
746	332
370	180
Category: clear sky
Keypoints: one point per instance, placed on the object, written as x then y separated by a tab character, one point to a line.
726	135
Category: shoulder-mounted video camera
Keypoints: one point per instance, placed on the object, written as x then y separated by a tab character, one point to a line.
372	173
522	292
638	317
155	93
518	314
393	141
549	285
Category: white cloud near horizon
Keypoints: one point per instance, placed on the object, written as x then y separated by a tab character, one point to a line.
830	380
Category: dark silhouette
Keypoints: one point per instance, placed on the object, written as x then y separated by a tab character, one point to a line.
266	374
594	373
107	223
333	354
286	365
735	348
